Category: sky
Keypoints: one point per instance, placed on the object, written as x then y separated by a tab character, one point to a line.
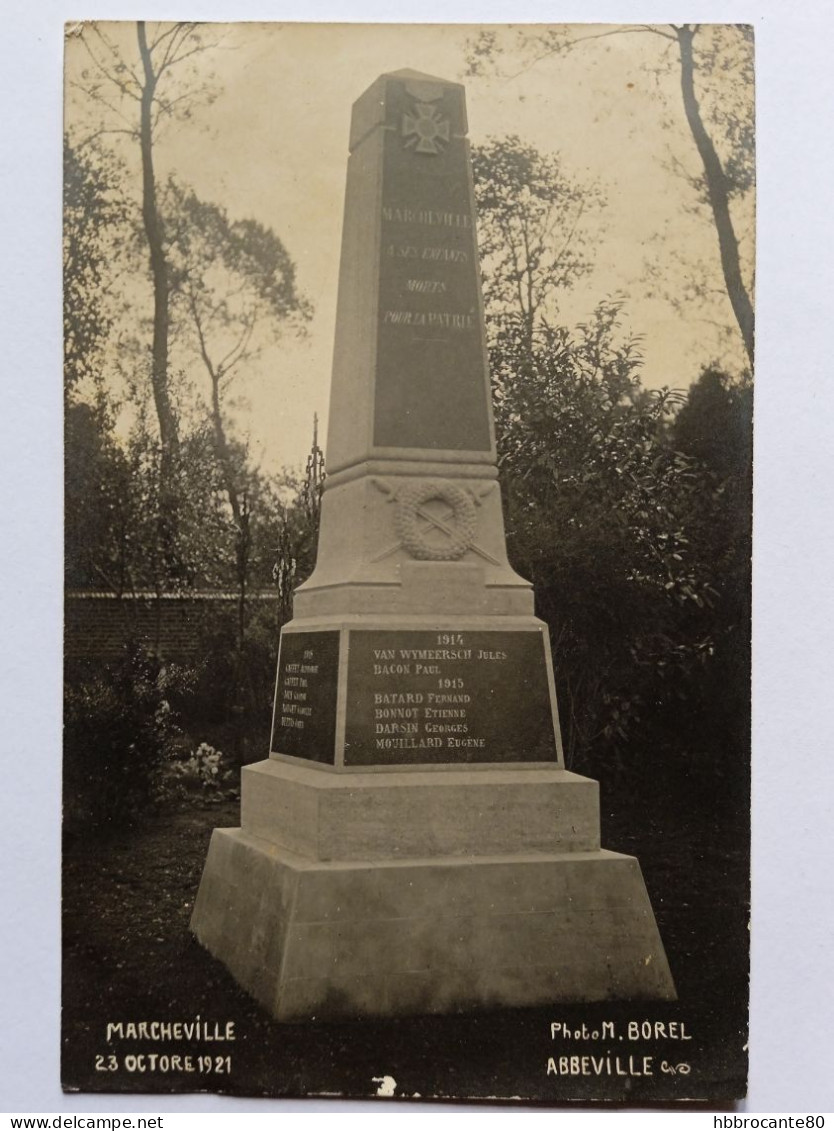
273	146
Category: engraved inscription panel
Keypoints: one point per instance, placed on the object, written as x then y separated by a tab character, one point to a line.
447	697
304	722
431	390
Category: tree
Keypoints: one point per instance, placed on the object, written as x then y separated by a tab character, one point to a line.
717	183
113	504
233	291
313	489
715	426
597	501
177	505
297	543
703	52
137	97
97	501
598	508
222	288
533	239
94	212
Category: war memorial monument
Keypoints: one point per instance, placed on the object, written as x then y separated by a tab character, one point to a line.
414	843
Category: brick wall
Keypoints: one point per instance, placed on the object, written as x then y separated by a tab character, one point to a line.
97	625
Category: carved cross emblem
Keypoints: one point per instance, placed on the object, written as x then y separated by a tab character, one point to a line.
425	131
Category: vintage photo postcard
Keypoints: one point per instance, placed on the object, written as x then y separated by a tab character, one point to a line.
408	441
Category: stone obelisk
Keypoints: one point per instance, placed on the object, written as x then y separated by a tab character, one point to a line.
413	843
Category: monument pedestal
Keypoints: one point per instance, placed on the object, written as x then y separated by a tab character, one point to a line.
423	892
414	843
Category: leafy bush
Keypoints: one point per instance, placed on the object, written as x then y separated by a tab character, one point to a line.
205	773
227	682
604	516
119	726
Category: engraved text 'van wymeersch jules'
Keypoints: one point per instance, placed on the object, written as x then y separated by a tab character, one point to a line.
414	843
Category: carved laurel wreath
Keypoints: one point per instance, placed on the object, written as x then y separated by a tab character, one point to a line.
460	528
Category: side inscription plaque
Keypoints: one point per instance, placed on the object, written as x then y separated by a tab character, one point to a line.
304	720
447	697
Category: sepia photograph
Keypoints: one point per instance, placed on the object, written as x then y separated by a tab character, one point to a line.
408	450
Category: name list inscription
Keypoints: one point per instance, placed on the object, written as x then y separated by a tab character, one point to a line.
421	697
304	722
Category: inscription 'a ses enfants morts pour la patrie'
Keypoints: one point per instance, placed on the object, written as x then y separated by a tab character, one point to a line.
430	384
437	288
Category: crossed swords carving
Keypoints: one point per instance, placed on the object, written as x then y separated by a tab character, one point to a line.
435	522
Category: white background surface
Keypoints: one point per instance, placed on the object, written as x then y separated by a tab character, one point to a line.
791	1017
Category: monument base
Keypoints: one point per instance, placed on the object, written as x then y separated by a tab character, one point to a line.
443	929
